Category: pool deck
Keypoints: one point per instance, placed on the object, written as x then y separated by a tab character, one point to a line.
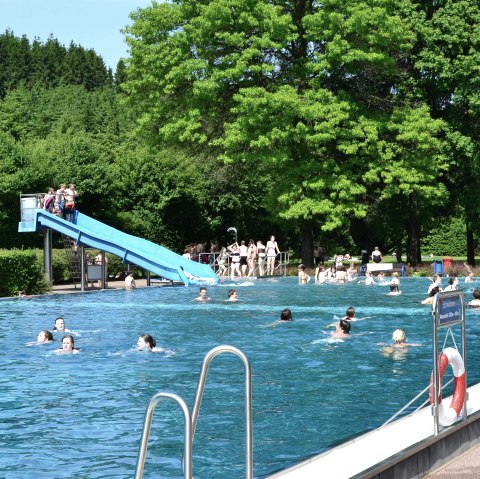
112	285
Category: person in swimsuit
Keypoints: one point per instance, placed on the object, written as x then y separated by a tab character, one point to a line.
342	329
232	295
286	315
146	343
251	257
272	251
202	295
303	277
475	302
243	257
59	325
235	258
68	345
261	258
222	261
376	255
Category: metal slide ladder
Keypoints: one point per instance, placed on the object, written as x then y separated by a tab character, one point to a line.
74	259
190	420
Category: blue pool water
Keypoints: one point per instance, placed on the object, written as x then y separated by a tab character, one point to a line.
80	416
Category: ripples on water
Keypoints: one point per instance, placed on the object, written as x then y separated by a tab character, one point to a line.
81	415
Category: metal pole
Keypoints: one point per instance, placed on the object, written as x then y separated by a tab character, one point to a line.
464	350
103	270
83	278
435	371
47	254
149	278
187	452
248	400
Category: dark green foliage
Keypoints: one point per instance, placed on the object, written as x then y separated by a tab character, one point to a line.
21	271
48	64
448	238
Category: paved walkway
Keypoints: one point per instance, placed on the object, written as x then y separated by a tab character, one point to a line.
70	288
466	466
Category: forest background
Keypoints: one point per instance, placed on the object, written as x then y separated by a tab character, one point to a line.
349	124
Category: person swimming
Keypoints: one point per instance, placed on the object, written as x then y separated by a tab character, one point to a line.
68	345
342	329
349	314
286	315
475	302
399	342
232	295
146	343
394	291
202	295
431	295
59	325
44	336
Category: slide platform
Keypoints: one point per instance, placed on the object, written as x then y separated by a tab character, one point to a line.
89	232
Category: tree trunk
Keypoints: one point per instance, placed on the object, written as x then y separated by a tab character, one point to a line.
413	232
307	243
398	249
470	247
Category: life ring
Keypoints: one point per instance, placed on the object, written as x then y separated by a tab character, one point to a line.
447	416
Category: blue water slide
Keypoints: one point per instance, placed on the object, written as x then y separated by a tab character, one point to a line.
89	232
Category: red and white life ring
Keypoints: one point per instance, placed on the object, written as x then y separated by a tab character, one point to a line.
447	416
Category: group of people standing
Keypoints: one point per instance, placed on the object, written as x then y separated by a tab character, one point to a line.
243	259
61	202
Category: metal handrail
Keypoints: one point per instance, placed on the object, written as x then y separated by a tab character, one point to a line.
188	436
413	400
248	400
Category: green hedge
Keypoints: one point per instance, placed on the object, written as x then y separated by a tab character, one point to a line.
449	238
20	270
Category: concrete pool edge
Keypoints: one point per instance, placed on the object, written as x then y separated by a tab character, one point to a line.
405	448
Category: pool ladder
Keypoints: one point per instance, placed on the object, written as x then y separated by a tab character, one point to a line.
190	420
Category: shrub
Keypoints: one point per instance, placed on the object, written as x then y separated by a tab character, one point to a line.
449	238
20	270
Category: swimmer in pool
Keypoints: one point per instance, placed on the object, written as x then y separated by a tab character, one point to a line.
68	345
286	315
59	326
475	302
303	277
368	279
431	295
44	336
349	314
146	343
399	342
232	295
342	329
394	291
202	295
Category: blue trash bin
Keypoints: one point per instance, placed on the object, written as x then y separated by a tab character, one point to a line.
438	266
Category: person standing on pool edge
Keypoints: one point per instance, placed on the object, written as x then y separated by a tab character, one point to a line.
376	255
272	251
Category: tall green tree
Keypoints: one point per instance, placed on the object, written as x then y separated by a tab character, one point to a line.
445	72
306	89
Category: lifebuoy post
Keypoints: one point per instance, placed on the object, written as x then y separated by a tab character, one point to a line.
448	310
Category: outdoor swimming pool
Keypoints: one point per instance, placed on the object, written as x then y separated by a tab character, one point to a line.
80	416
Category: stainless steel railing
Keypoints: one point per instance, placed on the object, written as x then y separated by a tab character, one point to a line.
191	420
